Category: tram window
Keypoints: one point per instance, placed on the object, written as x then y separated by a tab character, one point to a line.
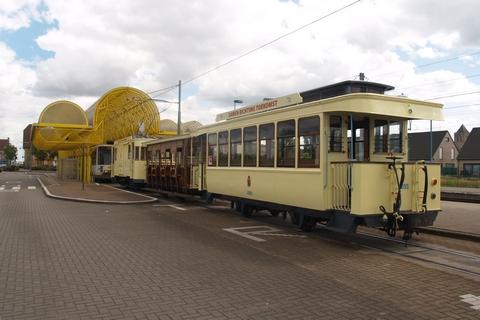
286	143
167	157
212	149
395	137
267	146
335	134
236	147
129	151
137	153
104	156
381	136
388	136
143	150
179	156
309	142
223	149
250	146
115	154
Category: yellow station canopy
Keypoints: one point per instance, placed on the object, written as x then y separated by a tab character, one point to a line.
119	113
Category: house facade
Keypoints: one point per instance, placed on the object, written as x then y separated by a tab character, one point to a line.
460	137
469	156
3	144
444	150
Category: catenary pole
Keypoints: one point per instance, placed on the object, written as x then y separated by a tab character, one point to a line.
179	123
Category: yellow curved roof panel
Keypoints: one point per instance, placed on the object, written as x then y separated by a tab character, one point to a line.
123	112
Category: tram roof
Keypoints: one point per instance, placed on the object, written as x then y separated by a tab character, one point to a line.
325	92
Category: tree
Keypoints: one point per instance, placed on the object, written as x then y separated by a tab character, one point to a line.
40	155
10	152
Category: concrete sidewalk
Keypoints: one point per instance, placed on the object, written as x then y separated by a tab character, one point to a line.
92	192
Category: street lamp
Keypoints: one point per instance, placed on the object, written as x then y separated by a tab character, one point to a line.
235	103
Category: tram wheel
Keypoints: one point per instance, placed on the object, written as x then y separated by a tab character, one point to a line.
295	218
274	213
308	224
246	211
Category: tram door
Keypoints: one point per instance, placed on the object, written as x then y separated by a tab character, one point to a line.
198	163
360	136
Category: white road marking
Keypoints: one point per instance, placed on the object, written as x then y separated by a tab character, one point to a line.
178	208
16	188
2	187
12	182
253	231
31	187
471	299
170	205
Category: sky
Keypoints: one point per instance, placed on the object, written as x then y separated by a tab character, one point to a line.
79	49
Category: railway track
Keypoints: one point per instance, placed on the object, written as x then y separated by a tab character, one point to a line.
453	260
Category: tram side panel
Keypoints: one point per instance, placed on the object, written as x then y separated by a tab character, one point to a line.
290	188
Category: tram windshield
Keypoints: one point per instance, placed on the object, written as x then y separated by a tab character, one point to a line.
104	155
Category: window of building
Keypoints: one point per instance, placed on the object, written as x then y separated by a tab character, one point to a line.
223	149
267	145
212	149
440	153
471	169
388	136
452	154
309	142
335	140
250	146
286	143
235	147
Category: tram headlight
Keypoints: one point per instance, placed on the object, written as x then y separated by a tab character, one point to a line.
433	196
434	182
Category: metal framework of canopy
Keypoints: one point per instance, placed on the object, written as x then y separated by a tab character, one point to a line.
121	112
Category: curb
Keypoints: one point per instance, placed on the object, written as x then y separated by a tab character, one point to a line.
50	195
451	234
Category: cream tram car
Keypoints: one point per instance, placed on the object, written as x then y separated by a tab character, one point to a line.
335	155
129	161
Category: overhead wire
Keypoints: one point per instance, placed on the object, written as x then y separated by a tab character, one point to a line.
453	95
439	82
432	63
270	42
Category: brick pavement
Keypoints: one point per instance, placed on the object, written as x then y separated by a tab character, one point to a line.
93	192
69	260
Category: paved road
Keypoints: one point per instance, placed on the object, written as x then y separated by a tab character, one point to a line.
68	260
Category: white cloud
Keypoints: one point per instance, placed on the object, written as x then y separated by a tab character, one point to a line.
16	14
152	44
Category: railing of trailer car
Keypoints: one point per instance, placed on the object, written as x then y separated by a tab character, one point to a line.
341	186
